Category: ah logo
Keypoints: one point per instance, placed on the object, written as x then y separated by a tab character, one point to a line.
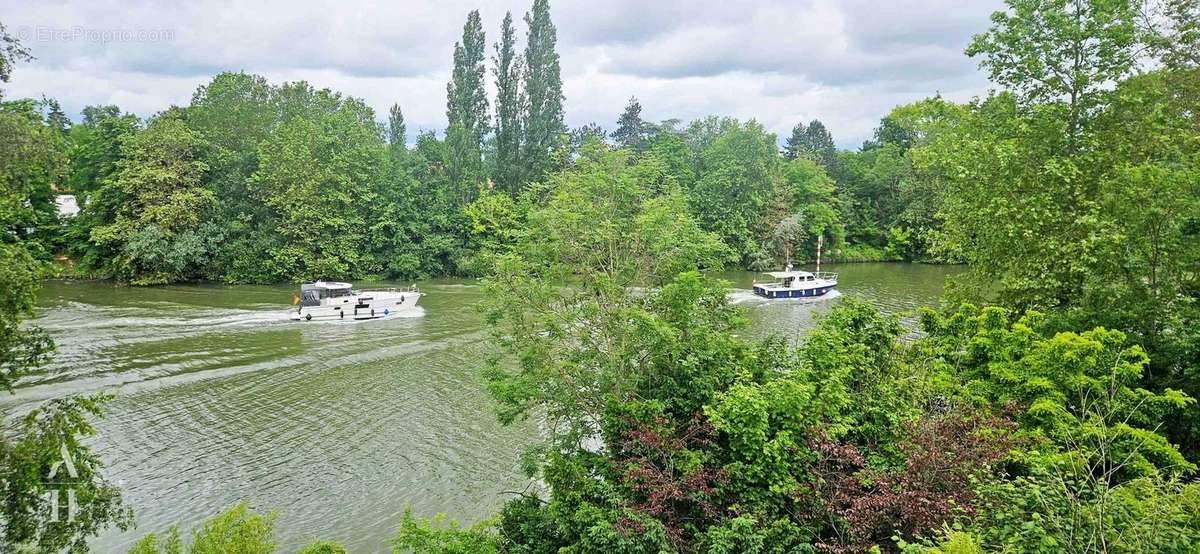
58	485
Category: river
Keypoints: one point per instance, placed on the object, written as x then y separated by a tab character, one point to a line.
336	426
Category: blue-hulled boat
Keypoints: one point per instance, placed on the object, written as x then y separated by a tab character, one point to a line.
797	284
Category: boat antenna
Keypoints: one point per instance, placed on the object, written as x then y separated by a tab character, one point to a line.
819	253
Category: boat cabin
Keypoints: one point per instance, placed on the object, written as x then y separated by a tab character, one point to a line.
790	279
320	292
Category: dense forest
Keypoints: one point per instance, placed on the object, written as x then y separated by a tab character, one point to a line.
1048	406
265	182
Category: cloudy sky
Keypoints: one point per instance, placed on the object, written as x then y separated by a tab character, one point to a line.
844	62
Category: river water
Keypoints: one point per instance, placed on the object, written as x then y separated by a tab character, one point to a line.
335	426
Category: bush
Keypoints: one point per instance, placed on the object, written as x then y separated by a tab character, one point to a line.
234	531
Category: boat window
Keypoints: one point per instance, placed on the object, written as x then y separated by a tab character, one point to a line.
310	297
337	293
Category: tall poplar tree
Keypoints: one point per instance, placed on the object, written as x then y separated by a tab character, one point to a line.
466	103
397	132
509	104
631	130
543	122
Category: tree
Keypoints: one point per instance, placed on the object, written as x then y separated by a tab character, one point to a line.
1096	473
23	348
11	52
1060	51
420	230
46	462
581	234
235	113
542	124
510	105
397	133
737	186
631	130
819	146
467	103
581	137
418	535
796	145
605	226
95	147
33	477
1171	28
55	118
158	231
32	167
316	174
233	531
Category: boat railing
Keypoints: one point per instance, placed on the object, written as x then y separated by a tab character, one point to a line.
410	288
826	275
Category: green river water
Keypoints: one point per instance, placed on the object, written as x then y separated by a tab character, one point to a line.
336	426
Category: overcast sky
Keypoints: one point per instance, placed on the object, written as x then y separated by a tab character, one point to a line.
846	63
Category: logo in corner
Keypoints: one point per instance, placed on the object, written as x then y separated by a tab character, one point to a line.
59	484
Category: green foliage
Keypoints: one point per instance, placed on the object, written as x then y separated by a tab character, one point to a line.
316	173
1060	51
32	165
542	94
11	52
169	543
157	231
1076	194
736	185
35	463
887	202
602	229
23	348
814	143
467	104
95	147
508	70
53	497
397	134
435	535
631	130
234	531
1076	390
1064	511
323	547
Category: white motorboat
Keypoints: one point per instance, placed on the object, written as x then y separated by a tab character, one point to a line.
332	301
796	284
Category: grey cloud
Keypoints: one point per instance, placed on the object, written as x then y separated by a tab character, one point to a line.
845	62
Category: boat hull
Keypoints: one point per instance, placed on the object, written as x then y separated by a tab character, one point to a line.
781	293
360	308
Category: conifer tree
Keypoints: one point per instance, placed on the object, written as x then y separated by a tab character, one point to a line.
795	146
397	132
631	130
